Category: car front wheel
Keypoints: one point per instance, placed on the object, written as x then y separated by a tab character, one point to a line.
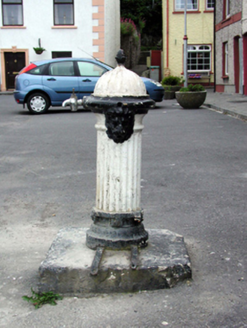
38	103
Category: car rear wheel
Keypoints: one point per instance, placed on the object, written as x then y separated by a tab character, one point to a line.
38	103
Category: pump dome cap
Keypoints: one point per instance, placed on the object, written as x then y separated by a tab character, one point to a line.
120	57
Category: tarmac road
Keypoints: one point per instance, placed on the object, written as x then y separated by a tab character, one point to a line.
194	182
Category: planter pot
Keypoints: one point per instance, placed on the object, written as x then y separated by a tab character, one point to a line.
172	87
191	99
38	52
170	90
169	95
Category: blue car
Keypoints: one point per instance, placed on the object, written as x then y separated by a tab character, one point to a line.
49	82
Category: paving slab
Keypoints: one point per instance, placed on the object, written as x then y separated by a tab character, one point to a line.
229	104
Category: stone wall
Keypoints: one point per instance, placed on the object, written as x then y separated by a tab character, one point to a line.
235	7
227	34
244	17
218	11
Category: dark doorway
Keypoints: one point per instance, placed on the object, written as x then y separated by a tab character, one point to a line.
14	62
60	54
156	60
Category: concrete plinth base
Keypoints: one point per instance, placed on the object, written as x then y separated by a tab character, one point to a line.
66	269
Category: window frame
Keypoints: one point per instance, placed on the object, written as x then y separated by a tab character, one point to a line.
225	59
42	70
199	51
210	8
226	9
14	3
61	3
50	73
181	8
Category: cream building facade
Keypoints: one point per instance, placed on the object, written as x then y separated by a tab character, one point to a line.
200	34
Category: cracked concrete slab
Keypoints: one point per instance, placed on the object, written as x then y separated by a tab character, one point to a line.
66	269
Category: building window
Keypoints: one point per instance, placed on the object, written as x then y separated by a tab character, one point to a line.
191	4
210	4
225	59
12	12
226	9
199	58
63	12
61	54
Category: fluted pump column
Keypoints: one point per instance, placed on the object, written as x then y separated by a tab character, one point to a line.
119	102
118	170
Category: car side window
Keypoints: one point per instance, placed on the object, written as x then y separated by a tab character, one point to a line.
38	70
90	69
62	69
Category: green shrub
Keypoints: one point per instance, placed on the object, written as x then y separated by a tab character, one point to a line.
172	80
147	48
191	87
128	27
39	49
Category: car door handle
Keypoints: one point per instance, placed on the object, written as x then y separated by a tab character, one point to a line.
86	80
51	79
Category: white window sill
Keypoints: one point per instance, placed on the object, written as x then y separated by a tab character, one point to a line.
64	27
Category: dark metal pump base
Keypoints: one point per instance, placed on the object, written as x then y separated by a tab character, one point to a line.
116	231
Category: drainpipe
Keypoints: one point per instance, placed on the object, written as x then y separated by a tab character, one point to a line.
241	65
214	48
167	34
185	45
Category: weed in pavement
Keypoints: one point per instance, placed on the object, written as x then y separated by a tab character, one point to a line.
39	299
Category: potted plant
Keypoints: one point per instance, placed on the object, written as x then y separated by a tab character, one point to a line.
169	93
39	50
191	97
171	84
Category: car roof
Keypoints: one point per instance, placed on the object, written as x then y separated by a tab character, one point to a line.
46	61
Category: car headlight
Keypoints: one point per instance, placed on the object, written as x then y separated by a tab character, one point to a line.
156	83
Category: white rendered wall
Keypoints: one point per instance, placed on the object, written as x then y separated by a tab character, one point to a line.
112	31
38	23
